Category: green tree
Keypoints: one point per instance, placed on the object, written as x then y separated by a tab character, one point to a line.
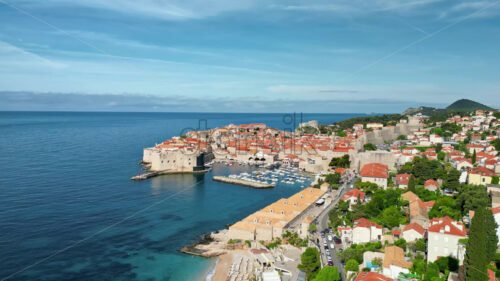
432	272
452	181
310	263
491	235
418	266
474	157
494	180
312	227
369	146
411	184
475	261
352	265
391	217
328	273
421	245
401	137
401	243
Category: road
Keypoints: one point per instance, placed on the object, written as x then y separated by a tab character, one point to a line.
322	224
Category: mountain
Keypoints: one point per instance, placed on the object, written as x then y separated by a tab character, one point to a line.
468	105
459	105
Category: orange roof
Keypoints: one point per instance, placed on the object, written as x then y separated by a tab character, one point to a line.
362	222
482	171
375	170
354	194
447	226
402	178
415	226
430	182
372	276
395	256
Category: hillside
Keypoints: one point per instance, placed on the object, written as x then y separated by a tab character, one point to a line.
468	105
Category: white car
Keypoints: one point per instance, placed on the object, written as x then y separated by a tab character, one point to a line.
332	246
330	238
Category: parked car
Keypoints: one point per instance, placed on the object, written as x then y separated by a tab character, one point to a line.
337	240
327	252
330	238
330	263
332	246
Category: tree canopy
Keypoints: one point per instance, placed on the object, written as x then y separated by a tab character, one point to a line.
328	273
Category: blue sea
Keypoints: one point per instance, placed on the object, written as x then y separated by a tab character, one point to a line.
68	210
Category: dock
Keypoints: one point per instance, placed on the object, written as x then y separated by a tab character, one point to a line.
252	184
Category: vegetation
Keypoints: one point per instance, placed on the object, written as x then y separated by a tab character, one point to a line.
328	273
384	119
333	179
401	243
356	251
310	263
369	146
293	238
340	162
312	227
467	105
352	265
475	260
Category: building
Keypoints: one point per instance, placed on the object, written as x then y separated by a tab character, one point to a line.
394	262
402	180
480	175
412	232
431	185
376	173
372	276
354	196
419	212
443	239
365	231
409	196
271	221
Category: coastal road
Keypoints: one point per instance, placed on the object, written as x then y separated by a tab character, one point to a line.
322	220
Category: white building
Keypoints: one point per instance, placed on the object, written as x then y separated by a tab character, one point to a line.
376	173
443	239
394	262
412	232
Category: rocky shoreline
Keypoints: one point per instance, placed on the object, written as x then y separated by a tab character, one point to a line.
209	246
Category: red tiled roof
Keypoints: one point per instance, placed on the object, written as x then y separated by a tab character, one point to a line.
402	178
362	222
430	182
354	193
438	224
482	171
415	226
375	170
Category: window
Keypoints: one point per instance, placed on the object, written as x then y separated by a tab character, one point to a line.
272	211
282	212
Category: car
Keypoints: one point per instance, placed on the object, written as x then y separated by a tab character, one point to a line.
332	246
330	238
325	244
327	252
322	235
337	240
326	247
330	263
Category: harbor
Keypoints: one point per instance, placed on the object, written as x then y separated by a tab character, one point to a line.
244	182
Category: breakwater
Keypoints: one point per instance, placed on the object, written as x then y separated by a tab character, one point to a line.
252	184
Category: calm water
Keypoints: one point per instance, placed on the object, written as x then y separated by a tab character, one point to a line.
65	179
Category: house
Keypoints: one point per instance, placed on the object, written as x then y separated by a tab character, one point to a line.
402	180
412	232
363	231
419	211
394	262
496	215
409	196
411	150
431	185
443	239
474	147
376	173
461	163
372	276
480	175
354	196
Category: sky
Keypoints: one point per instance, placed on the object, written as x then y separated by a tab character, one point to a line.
333	56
